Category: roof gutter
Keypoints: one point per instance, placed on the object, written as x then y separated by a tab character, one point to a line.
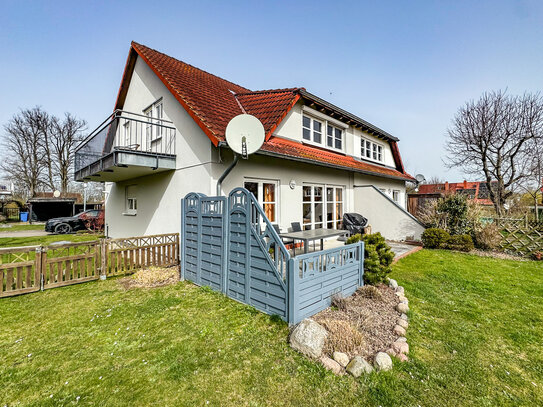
339	167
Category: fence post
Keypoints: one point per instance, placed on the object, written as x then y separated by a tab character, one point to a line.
291	301
103	259
181	241
361	264
38	272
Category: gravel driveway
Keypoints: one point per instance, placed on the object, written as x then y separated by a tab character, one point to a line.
23	233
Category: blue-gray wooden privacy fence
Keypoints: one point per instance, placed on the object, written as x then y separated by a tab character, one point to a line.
229	245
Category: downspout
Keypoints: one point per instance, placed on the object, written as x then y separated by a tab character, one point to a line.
225	173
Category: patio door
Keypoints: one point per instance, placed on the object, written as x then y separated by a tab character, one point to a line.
265	192
322	206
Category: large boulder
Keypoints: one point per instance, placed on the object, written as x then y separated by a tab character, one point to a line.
308	338
358	366
382	362
392	283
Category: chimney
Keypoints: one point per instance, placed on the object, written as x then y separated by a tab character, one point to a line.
446	185
465	184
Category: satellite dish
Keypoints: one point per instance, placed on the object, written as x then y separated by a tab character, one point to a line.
245	134
420	178
56	194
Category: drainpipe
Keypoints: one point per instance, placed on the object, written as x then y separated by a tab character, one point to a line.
225	173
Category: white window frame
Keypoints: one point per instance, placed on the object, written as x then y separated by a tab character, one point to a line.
325	122
131	200
312	130
155	115
260	194
312	202
375	149
333	136
396	195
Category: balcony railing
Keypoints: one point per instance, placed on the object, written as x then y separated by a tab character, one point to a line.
127	132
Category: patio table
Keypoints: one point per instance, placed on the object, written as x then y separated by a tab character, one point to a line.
308	235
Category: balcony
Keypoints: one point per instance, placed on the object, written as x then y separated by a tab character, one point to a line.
126	145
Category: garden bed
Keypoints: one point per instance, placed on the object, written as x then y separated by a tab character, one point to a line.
364	325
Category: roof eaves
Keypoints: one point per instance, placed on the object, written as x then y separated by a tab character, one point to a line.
330	165
350	116
199	121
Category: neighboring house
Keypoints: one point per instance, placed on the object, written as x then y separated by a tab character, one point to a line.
474	190
166	139
6	189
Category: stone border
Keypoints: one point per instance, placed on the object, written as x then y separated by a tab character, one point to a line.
308	337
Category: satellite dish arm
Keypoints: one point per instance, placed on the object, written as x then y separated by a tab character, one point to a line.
225	173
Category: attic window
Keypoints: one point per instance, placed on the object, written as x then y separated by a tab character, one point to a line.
313	129
371	150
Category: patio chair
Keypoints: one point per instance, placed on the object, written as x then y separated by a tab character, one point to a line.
285	241
296	227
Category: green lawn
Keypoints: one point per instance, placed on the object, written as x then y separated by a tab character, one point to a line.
20	226
475	338
45	240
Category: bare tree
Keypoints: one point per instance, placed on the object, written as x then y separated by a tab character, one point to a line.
60	140
492	137
25	160
533	183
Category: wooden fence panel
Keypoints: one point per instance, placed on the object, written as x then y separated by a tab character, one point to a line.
127	255
520	236
19	273
70	263
33	268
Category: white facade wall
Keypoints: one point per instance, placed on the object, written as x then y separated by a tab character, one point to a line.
384	216
291	128
159	195
199	165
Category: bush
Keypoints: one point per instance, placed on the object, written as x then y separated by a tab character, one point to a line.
354	239
378	257
487	237
456	208
435	238
463	243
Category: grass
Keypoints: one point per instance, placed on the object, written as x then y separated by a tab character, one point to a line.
475	334
12	227
45	240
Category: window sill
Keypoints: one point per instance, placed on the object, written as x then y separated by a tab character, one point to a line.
129	213
324	147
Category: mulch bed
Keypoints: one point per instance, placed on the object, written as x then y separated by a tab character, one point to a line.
151	277
498	255
362	324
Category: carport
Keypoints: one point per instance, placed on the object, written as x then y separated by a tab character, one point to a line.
43	209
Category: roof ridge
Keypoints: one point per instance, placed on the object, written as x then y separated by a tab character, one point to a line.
192	66
256	92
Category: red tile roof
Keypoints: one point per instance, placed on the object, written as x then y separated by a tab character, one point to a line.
297	150
212	102
476	190
269	106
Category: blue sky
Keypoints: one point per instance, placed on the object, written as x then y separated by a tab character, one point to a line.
405	66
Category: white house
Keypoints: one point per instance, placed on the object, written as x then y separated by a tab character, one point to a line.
166	139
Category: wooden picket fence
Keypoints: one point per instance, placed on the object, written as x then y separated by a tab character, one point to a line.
36	268
521	236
